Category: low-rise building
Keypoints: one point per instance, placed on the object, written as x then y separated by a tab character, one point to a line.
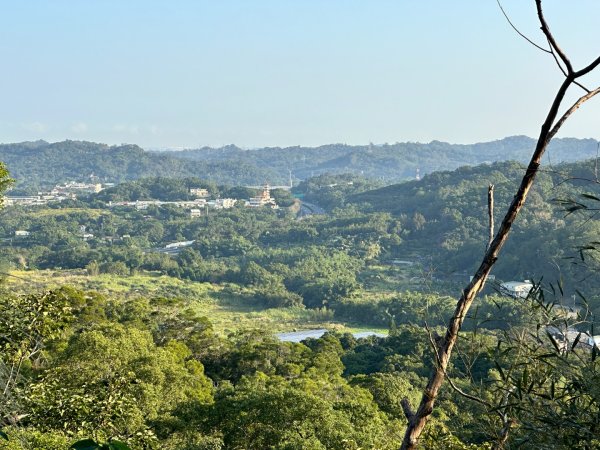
516	289
225	203
24	201
180	244
73	187
199	192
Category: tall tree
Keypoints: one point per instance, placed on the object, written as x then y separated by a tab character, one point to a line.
552	124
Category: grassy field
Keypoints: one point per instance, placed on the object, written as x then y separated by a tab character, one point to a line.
228	307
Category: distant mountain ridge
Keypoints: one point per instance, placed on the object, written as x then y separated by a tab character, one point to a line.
41	163
392	162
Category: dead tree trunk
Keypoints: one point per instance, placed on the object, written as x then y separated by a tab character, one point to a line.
418	419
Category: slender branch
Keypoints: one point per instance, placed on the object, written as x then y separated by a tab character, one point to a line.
546	30
519	32
553	53
571	110
445	345
577	83
549	50
564	72
587	69
508	423
419	420
474	398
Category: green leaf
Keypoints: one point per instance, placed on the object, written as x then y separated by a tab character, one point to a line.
576	341
86	444
502	376
3	435
591	197
554	343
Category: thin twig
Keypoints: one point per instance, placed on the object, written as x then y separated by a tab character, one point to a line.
570	111
519	32
450	381
563	70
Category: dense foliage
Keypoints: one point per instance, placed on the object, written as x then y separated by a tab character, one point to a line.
152	370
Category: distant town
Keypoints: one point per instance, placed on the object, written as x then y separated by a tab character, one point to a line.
70	191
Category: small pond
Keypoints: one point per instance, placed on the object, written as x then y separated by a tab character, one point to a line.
298	336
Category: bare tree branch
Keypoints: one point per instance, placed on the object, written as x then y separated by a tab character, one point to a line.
445	346
519	32
550	50
474	398
587	69
571	110
553	44
564	72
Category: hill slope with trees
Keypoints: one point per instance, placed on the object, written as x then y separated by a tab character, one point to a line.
41	164
390	162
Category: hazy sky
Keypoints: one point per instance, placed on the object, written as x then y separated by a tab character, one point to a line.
284	72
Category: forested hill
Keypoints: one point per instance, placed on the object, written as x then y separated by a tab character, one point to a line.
40	164
391	162
444	216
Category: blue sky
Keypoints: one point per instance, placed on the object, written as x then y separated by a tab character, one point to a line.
284	72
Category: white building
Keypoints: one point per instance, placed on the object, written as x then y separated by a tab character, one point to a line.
225	203
195	213
180	244
516	289
199	192
24	201
22	233
73	187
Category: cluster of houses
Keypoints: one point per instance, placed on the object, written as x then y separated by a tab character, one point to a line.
196	207
565	336
59	193
196	204
201	203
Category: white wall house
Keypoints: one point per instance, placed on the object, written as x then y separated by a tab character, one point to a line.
516	289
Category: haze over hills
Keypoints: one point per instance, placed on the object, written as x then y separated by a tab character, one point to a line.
38	164
392	162
42	164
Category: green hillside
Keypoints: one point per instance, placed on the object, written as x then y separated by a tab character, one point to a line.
444	217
